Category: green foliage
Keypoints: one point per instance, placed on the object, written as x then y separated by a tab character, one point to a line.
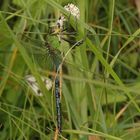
101	80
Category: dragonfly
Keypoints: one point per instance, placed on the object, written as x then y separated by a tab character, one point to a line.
52	45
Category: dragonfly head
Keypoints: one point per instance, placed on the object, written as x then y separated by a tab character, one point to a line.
59	26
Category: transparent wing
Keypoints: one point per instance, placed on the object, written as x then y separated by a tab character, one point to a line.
42	53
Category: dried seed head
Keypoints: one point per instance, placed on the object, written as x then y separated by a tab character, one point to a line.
34	85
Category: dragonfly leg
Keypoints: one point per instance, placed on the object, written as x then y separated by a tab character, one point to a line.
59	37
76	25
69	19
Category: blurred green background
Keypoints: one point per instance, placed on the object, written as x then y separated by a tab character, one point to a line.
100	80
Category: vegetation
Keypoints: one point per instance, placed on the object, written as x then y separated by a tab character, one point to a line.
100	78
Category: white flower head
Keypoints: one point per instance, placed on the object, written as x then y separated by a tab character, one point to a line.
34	85
74	10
